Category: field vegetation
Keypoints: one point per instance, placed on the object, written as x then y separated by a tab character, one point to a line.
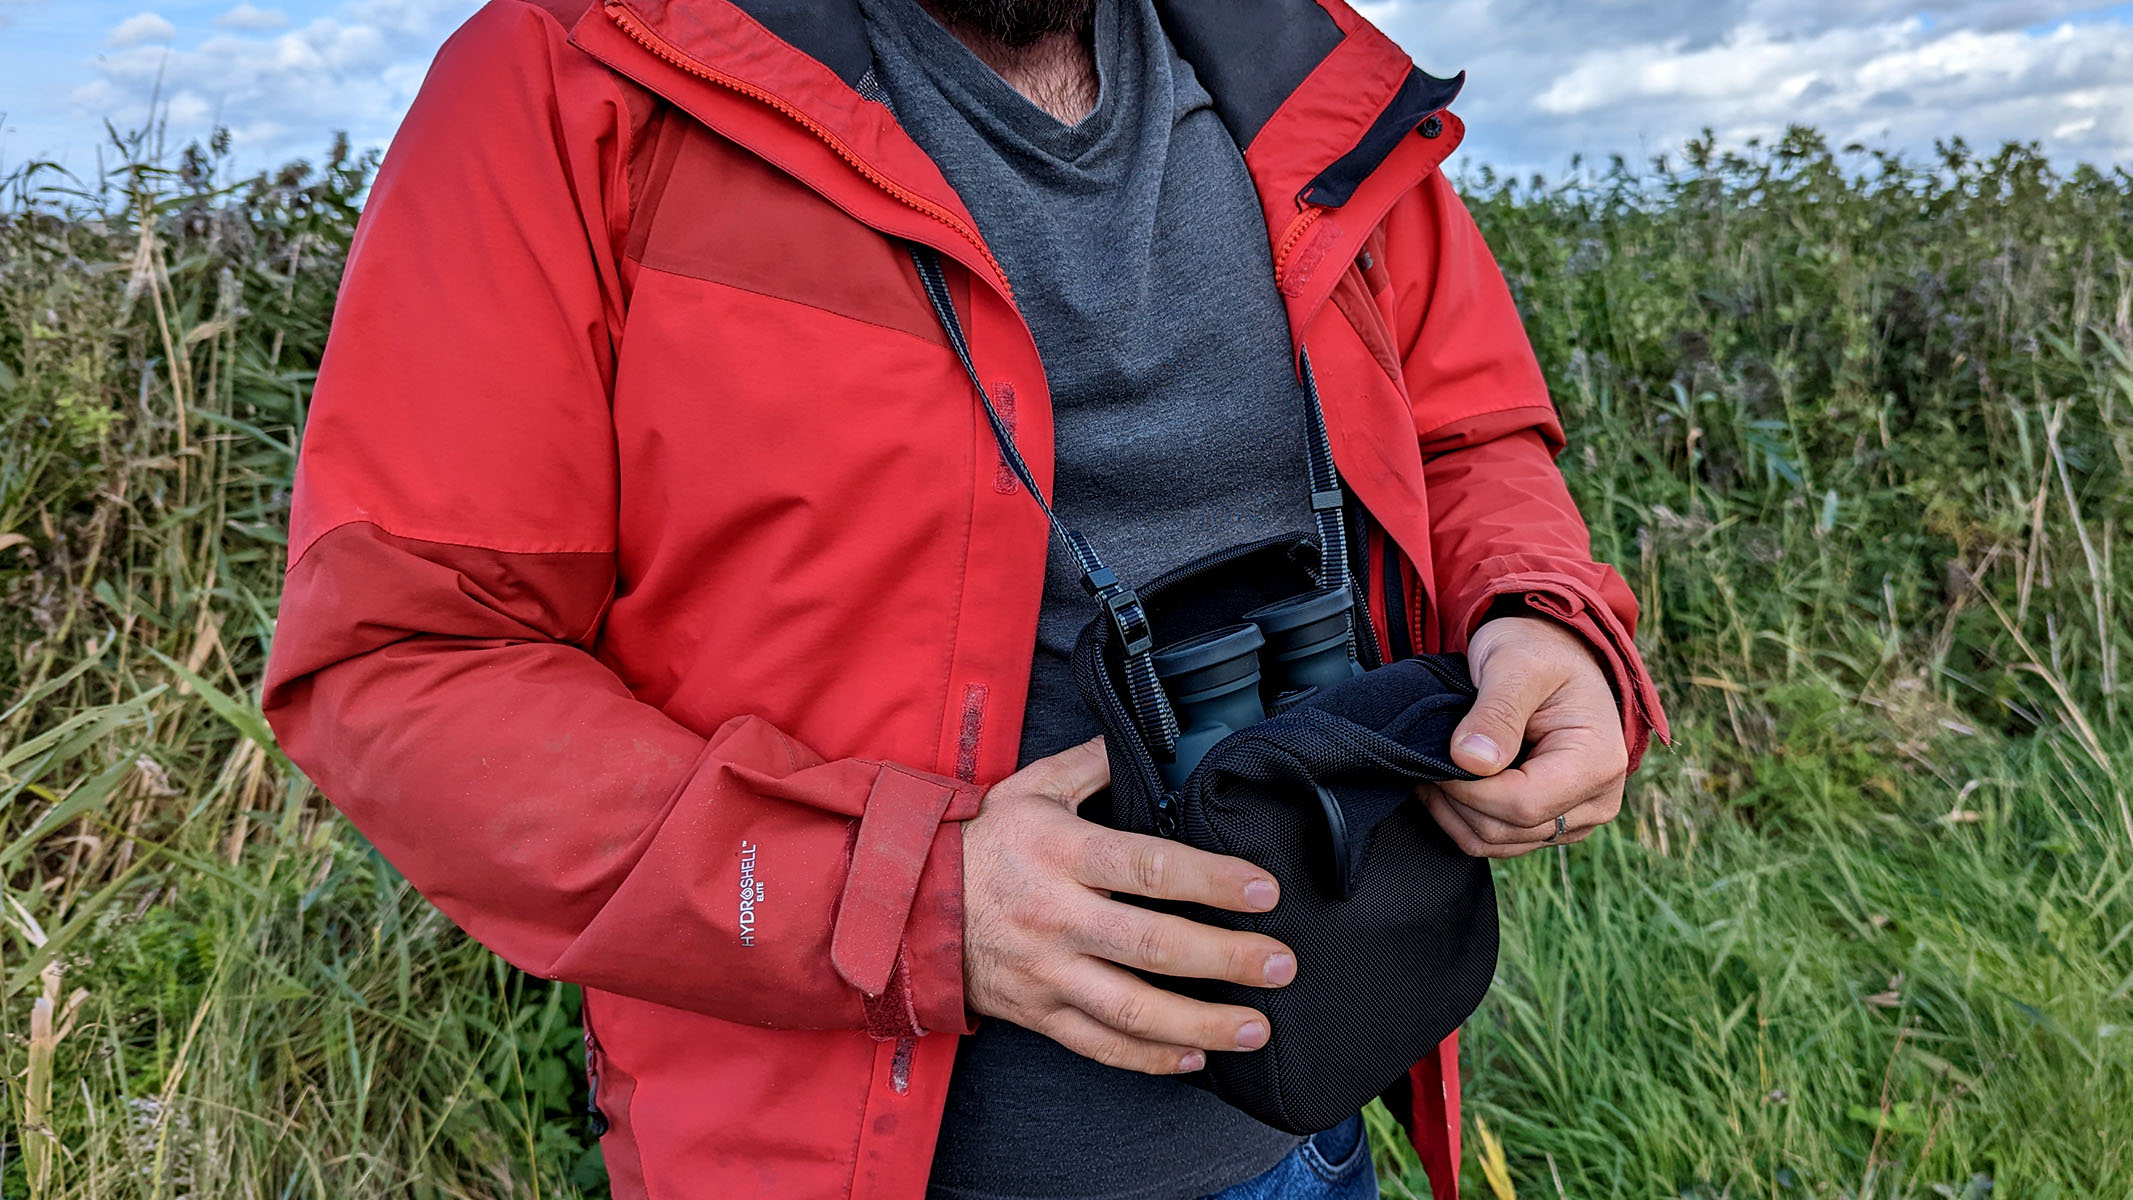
1859	430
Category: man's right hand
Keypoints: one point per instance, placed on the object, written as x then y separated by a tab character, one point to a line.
1044	944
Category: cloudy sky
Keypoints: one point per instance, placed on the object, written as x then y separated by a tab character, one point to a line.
1546	78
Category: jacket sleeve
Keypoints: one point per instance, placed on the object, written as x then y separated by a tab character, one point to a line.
452	555
1504	532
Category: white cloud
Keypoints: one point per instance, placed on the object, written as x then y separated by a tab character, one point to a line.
1548	79
246	17
281	93
141	29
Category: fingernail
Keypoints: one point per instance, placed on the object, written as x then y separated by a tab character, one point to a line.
1280	968
1482	748
1191	1062
1261	894
1251	1035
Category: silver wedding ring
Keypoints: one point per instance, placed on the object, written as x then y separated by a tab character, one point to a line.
1562	825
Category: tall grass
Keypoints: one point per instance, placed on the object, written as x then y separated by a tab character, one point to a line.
1860	431
225	993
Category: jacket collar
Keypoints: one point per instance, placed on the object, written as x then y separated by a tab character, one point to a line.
1249	54
1353	93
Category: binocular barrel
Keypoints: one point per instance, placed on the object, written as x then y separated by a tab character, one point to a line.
1216	683
1213	682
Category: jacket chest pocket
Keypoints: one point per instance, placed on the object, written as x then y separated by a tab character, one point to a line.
1353	296
713	212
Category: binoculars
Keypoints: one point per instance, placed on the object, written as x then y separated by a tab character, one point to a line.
1230	678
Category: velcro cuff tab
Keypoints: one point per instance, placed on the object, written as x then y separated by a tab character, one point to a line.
895	836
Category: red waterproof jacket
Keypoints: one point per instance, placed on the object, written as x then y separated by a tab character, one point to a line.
658	601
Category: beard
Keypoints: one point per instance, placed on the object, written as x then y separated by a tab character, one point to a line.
1016	23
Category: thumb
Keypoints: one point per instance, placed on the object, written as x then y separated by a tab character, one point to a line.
1489	737
1074	774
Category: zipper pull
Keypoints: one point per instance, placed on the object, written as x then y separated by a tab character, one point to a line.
1166	814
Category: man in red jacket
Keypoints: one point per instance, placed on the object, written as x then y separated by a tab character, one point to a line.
659	601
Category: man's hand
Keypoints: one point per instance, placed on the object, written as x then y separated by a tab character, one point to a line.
1041	933
1540	687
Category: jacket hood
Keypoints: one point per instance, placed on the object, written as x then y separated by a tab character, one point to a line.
1307	88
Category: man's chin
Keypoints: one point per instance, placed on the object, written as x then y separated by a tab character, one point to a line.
1017	23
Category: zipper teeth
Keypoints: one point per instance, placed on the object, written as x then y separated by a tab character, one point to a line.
1298	226
628	23
1151	783
1227	556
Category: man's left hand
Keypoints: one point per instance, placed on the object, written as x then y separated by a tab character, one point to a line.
1541	688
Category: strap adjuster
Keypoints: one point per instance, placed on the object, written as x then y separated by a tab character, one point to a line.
1130	620
1326	501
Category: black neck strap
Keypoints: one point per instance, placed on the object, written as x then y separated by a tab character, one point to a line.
1129	617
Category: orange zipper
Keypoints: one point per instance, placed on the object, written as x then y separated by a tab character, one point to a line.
628	23
1299	225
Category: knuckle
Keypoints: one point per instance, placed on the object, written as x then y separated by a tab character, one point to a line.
1130	1011
1054	845
1053	921
1532	814
1109	1051
1543	811
1499	710
1125	1054
1155	948
1149	867
1497	833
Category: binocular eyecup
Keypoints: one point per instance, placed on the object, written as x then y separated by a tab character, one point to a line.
1216	683
1307	640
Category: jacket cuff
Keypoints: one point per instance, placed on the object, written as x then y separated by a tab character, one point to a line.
898	936
934	941
1578	604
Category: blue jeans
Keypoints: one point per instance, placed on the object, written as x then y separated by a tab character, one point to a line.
1334	1165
